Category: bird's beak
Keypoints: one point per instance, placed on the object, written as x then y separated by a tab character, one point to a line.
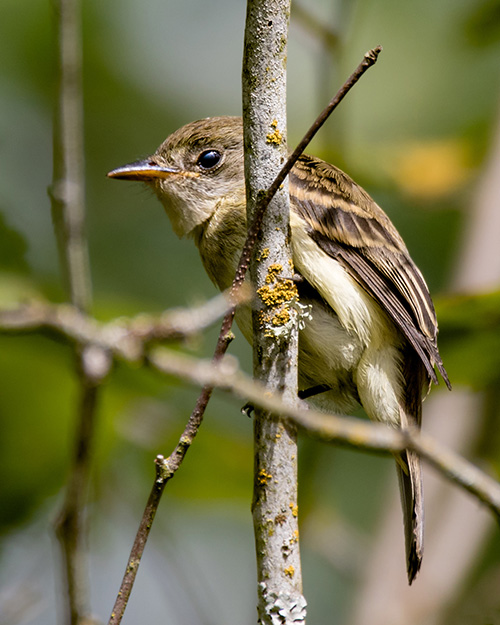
145	170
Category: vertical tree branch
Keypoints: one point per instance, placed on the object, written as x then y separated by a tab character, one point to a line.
67	191
71	524
275	317
68	214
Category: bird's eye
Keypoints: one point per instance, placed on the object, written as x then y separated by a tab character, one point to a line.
208	159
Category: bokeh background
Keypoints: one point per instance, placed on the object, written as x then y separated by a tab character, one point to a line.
420	132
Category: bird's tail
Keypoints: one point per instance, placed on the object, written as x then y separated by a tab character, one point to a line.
412	500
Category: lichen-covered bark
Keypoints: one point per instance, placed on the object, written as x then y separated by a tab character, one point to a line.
275	507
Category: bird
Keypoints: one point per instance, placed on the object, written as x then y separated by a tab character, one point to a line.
371	336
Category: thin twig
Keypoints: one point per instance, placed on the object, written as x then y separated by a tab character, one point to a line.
138	548
224	335
123	338
165	470
362	435
342	429
339	429
368	61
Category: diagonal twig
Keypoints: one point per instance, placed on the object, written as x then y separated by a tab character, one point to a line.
169	465
350	431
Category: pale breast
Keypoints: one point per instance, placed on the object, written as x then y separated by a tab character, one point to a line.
344	320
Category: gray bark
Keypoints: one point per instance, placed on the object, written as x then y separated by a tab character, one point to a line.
275	509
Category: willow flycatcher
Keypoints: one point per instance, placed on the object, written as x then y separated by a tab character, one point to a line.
372	334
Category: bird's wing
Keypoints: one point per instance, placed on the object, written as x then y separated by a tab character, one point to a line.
349	226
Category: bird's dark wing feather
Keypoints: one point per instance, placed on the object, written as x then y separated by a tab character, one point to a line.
349	226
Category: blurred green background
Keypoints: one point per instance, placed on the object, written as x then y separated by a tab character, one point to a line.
418	132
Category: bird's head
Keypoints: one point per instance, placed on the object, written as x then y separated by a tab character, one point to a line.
193	169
